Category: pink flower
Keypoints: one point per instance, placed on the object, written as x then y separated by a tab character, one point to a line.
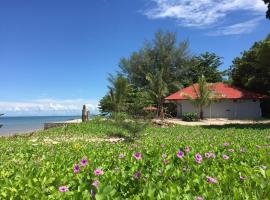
231	150
137	174
138	155
225	157
198	158
162	145
121	155
211	180
207	155
212	155
76	168
242	178
187	149
226	144
180	154
166	162
199	198
98	172
96	183
84	162
63	189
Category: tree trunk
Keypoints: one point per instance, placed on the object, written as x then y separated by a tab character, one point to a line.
162	112
201	113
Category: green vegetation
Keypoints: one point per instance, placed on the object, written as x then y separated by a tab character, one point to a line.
190	117
159	68
252	71
178	162
204	95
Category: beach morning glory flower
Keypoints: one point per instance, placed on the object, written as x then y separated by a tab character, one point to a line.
63	189
137	174
96	183
98	172
84	161
242	178
76	168
162	145
211	180
231	150
166	162
121	155
180	154
226	144
187	149
199	198
207	155
225	157
198	158
138	155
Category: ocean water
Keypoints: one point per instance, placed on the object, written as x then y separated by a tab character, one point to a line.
12	125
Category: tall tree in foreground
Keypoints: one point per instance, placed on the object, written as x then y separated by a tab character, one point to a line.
267	2
204	95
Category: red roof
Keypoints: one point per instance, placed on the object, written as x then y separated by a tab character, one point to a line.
224	90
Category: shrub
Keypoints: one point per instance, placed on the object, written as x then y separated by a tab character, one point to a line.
190	117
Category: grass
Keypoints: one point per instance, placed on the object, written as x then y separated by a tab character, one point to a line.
34	166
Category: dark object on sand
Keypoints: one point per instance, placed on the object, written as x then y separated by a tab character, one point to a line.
85	114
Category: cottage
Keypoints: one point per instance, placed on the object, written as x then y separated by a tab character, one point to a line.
233	103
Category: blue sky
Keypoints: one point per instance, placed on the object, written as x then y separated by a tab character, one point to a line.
55	54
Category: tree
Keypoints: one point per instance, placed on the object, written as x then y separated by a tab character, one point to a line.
158	89
163	53
267	2
116	99
206	64
204	95
252	70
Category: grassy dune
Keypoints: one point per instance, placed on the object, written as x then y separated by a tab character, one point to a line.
224	162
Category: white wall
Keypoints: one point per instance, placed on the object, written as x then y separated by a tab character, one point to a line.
241	109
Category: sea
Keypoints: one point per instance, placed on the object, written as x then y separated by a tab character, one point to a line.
16	125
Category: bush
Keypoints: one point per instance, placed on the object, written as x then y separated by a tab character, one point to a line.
190	117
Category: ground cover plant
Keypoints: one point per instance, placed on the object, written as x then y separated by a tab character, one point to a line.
177	162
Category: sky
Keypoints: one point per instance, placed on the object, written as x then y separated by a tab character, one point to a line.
55	55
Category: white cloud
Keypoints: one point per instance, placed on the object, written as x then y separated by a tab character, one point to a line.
48	107
203	13
235	29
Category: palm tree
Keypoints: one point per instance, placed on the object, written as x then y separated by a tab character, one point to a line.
118	92
158	89
204	95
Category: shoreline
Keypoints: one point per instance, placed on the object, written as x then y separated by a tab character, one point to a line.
14	129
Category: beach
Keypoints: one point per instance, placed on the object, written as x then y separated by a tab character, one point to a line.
19	125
